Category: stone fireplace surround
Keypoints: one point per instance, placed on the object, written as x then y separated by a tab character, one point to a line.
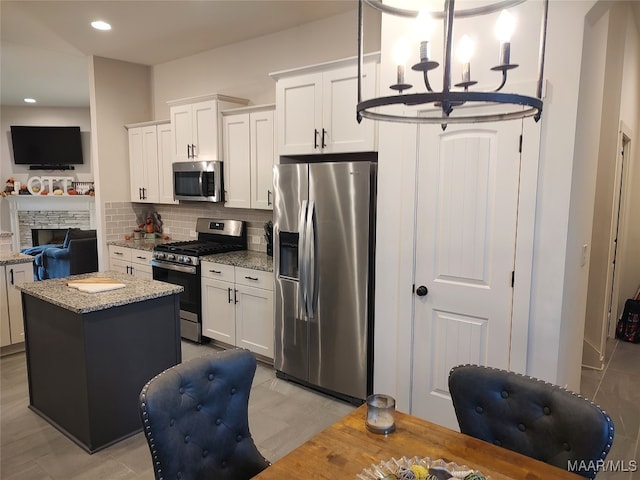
64	211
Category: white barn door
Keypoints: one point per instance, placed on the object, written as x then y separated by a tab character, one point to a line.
467	207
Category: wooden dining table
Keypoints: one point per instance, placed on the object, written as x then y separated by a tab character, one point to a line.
345	448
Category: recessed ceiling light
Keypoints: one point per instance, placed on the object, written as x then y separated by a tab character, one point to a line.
30	100
100	25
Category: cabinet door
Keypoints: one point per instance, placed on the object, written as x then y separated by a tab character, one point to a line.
262	159
150	164
340	96
136	168
299	113
16	275
140	264
237	173
254	320
181	125
205	130
5	328
218	318
165	160
118	265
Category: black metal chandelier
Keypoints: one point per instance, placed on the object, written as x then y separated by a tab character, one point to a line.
512	105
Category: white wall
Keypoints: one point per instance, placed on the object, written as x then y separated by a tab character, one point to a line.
119	94
242	69
591	104
30	115
630	114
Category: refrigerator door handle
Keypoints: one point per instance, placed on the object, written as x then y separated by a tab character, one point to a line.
302	261
312	248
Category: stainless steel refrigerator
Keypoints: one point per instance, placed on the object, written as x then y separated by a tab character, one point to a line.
324	227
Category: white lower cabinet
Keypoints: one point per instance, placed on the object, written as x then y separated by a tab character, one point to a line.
11	321
131	261
237	307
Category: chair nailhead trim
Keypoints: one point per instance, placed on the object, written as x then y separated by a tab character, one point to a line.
504	394
479	409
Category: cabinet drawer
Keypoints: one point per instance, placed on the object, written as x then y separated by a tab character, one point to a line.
142	257
120	253
254	278
217	271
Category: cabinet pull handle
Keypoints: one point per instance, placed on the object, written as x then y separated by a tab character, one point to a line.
255	279
215	271
268	197
139	194
315	138
235	296
193	151
11	272
188	151
141	258
228	295
118	253
323	134
144	193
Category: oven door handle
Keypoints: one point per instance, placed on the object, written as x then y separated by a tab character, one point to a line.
177	268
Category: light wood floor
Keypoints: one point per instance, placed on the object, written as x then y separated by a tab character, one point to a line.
282	416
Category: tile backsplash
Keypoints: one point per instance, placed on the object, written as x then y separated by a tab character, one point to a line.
179	221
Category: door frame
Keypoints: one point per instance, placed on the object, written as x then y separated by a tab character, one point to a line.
612	292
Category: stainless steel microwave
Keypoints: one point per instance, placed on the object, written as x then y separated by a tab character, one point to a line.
198	181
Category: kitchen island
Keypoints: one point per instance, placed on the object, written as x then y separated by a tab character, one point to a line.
90	354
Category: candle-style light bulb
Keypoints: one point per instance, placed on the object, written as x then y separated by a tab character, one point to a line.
466	49
400	57
505	26
424	29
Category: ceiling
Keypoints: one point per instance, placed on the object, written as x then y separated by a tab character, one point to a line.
45	44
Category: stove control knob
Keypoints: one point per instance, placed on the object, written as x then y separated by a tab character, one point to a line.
158	255
186	259
170	256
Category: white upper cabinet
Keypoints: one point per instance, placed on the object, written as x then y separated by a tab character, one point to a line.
249	155
150	162
316	108
197	127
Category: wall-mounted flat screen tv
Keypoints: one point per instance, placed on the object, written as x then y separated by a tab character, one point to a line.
46	146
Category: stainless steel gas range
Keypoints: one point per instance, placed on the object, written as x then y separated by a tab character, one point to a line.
179	263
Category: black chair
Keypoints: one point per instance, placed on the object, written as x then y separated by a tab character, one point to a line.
195	418
532	417
78	254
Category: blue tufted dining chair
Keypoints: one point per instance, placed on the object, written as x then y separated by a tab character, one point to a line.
532	417
195	419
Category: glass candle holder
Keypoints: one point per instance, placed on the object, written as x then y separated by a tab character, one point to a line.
381	411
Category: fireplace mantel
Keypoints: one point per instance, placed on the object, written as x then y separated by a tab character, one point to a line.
44	203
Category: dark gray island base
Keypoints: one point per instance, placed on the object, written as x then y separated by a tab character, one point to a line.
90	354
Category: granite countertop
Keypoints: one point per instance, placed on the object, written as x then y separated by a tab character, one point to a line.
243	258
143	244
57	292
11	258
